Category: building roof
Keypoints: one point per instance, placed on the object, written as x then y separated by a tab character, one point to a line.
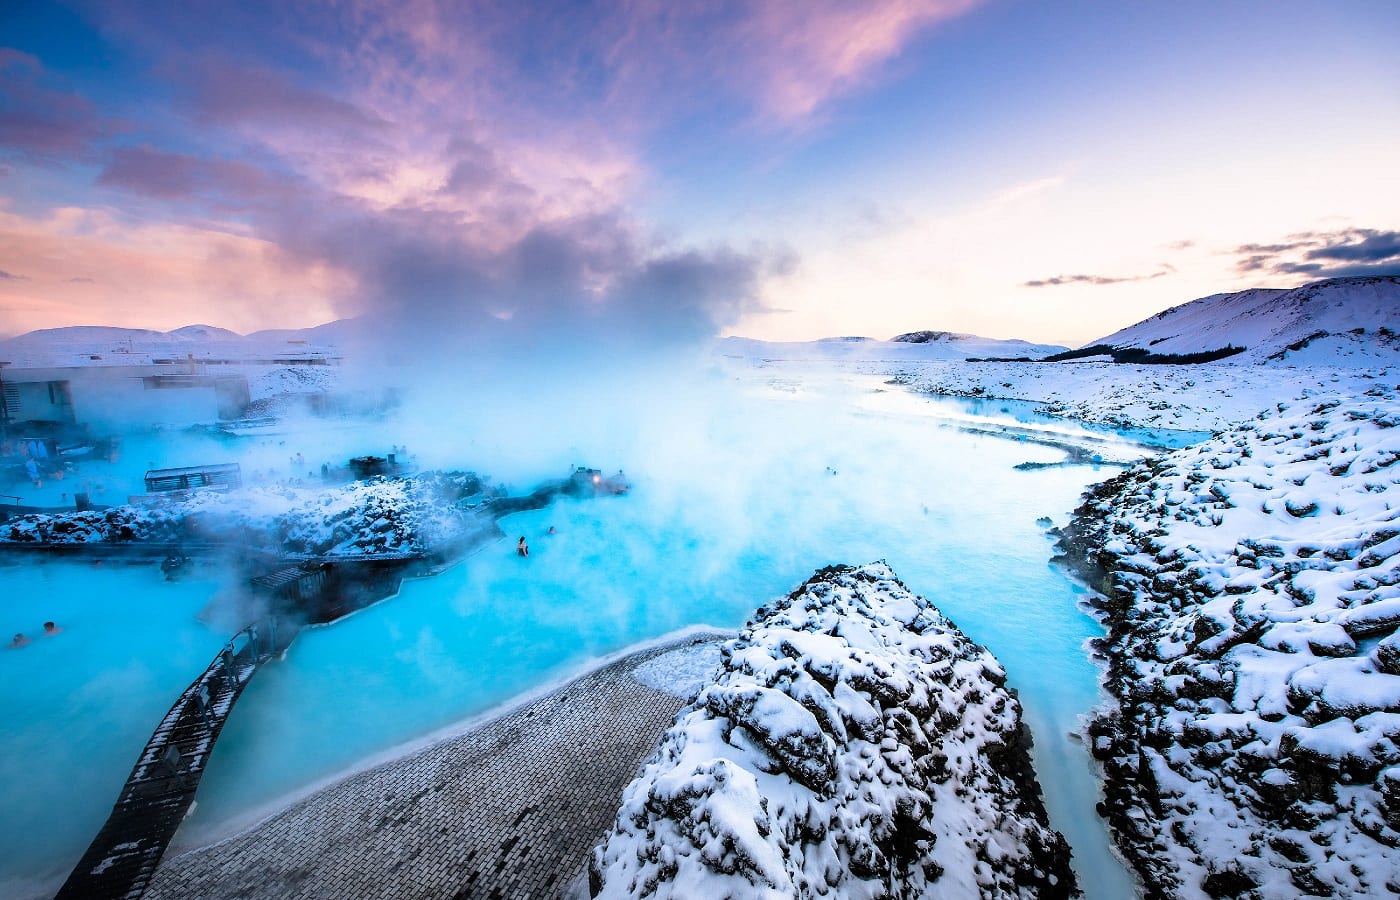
213	469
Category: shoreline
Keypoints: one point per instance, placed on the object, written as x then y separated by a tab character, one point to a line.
230	829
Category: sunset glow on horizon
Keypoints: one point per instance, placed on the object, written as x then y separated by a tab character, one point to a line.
783	170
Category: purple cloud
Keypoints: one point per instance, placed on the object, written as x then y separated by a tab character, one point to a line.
1335	254
39	121
1060	280
471	216
182	177
224	94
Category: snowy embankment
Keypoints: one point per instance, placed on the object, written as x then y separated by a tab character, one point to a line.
1204	397
1252	594
381	516
854	743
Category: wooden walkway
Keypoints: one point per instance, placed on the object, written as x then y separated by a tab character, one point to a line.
123	857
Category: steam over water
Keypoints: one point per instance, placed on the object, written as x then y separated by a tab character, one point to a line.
739	494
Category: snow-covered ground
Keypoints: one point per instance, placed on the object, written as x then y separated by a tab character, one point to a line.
1253	596
854	743
682	672
1204	397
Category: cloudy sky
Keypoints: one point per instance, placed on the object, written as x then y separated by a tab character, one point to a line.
787	169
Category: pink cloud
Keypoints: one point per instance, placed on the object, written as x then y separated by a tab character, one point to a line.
809	52
90	267
416	160
788	58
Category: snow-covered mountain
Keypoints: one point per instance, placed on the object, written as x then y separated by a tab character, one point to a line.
916	345
97	345
1340	321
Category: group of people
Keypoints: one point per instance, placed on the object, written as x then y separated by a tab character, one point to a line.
21	639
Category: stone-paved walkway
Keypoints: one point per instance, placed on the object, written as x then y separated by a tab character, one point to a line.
509	810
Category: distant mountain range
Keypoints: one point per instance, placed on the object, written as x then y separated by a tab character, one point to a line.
1348	321
1353	321
99	345
916	345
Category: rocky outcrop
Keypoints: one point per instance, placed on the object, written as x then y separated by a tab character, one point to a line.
1251	587
402	515
853	743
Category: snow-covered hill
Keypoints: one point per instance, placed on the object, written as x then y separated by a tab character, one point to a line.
914	346
1340	321
96	345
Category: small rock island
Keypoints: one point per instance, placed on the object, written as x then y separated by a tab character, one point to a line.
852	743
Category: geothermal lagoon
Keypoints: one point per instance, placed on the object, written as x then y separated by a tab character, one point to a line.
733	503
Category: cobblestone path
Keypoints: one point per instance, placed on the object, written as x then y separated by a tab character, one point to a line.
509	810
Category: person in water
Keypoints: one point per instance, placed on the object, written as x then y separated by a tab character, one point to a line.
51	628
521	548
19	641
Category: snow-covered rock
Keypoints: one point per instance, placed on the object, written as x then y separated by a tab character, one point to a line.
1251	586
852	744
407	516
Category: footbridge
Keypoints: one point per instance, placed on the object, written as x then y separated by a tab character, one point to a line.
123	857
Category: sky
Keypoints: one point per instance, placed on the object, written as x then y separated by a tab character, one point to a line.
668	172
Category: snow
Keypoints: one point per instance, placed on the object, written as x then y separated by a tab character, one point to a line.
853	743
681	672
1262	645
1248	581
1206	397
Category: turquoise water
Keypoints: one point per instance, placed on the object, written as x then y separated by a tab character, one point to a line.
1028	412
77	707
736	501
